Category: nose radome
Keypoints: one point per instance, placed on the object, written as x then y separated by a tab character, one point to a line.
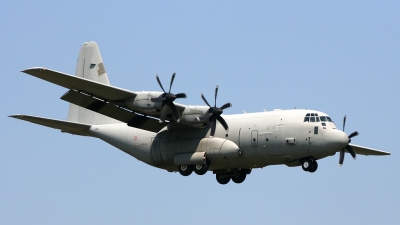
334	140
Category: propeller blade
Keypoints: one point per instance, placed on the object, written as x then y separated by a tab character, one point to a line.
223	123
180	95
159	82
351	151
216	93
204	99
355	133
159	99
164	113
172	81
213	125
175	112
344	122
226	105
341	158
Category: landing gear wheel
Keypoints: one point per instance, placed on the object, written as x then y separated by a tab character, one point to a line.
307	164
201	169
314	167
222	178
239	177
185	170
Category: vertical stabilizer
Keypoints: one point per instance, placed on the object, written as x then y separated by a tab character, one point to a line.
90	66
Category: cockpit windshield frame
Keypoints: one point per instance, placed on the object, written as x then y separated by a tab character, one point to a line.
313	117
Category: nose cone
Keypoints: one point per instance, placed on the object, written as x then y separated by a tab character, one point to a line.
334	140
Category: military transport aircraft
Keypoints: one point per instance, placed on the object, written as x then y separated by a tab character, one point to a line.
151	127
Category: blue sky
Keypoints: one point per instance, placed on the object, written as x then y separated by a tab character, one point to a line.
338	57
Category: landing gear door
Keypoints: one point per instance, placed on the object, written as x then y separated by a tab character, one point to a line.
155	150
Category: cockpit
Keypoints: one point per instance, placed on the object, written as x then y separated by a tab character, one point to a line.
313	117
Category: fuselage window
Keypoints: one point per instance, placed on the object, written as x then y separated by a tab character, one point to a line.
315	130
312	119
317	118
306	119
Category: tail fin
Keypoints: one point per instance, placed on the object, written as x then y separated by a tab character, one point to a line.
90	66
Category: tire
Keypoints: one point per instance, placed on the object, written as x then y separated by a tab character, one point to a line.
239	177
314	167
185	170
201	169
307	165
222	178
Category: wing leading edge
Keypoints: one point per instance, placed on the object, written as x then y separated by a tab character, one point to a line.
72	82
360	150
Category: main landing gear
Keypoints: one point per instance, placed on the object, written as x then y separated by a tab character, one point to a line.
200	169
223	177
309	165
238	176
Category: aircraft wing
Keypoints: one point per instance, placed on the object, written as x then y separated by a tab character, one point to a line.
72	82
100	98
114	111
64	126
367	151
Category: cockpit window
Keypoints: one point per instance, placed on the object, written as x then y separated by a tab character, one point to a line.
313	117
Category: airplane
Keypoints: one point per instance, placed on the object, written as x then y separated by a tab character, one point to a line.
151	127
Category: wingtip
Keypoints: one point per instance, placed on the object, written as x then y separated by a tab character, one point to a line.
16	116
34	68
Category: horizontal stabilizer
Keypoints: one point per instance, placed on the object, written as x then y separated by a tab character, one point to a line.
64	126
72	82
367	151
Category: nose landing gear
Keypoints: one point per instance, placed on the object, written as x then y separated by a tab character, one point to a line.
309	165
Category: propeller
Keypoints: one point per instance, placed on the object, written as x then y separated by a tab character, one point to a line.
214	113
167	100
348	147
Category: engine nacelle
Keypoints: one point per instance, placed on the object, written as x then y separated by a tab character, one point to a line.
190	115
142	103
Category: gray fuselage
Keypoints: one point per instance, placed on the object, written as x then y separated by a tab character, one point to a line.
265	138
